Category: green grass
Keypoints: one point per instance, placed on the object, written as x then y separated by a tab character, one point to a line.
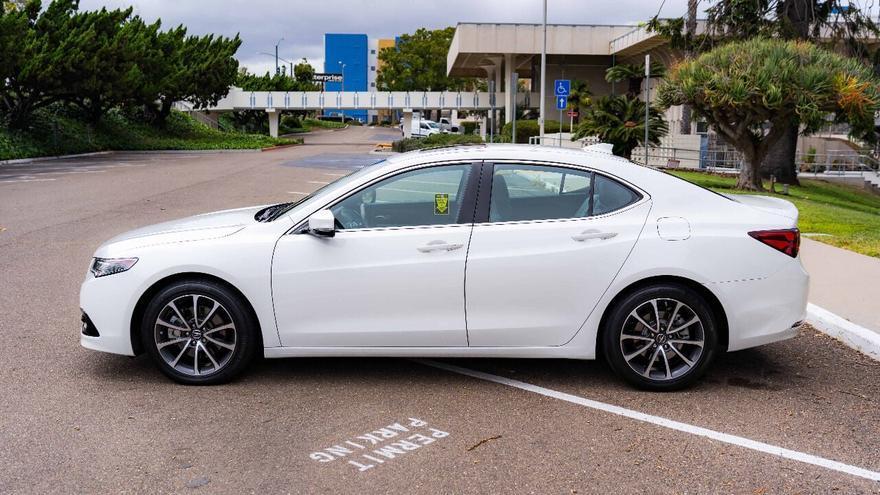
851	216
59	134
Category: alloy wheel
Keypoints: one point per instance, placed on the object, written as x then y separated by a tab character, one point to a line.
195	335
662	339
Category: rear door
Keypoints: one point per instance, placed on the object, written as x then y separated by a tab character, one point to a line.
547	243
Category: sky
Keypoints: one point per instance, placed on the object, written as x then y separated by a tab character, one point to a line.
302	24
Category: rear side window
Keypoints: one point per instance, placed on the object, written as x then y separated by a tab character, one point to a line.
538	192
610	195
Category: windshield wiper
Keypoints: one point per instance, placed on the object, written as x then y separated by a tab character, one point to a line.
270	213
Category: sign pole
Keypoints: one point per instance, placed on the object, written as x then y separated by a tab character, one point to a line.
512	86
647	102
543	81
560	128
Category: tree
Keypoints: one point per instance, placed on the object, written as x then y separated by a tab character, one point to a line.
633	74
198	69
620	120
841	25
418	63
304	73
580	97
751	91
111	66
40	55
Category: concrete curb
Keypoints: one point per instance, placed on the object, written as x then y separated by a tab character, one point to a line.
20	161
855	336
24	161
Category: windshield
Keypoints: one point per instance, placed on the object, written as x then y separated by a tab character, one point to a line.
270	213
433	125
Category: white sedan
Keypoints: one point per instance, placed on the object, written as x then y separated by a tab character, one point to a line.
483	251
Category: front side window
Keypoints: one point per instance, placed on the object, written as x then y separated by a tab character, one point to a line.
428	196
537	192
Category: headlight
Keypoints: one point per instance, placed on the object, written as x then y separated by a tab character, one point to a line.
109	266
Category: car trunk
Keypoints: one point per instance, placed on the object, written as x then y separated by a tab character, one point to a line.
776	206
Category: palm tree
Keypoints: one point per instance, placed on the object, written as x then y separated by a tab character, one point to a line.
580	97
633	74
620	120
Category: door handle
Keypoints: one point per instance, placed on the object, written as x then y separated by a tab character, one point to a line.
593	234
439	246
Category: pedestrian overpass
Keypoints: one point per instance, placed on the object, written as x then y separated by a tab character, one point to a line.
274	102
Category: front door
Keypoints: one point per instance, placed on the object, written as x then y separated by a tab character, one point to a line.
552	243
393	275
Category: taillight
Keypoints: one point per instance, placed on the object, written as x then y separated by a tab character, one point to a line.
787	241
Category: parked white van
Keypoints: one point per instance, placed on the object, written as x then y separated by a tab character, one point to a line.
422	128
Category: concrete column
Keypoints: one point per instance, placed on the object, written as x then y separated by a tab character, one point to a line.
407	122
509	88
493	74
273	122
483	127
453	116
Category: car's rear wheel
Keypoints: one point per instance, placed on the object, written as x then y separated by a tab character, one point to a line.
661	337
199	333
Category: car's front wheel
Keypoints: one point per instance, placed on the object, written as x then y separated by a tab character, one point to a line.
199	332
661	337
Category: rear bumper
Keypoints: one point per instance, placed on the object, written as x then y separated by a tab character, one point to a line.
762	311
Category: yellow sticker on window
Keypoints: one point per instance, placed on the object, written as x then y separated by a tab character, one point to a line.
441	204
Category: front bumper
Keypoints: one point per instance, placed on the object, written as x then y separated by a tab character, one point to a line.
108	305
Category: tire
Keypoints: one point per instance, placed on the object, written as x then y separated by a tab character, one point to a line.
671	359
208	349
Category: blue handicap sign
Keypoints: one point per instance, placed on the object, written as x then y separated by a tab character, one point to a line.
562	87
561	102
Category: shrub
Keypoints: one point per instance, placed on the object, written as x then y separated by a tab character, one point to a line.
434	140
469	126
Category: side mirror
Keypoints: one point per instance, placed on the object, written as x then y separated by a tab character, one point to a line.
322	223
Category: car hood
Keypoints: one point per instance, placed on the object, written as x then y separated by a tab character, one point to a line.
198	227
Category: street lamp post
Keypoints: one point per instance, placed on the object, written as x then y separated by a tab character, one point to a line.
339	62
277	70
276	61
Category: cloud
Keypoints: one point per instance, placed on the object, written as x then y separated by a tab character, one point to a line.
302	24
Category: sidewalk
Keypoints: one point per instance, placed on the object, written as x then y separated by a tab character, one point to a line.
843	282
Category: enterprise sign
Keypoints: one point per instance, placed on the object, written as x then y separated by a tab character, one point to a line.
327	77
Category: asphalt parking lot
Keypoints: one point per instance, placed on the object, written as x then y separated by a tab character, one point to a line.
801	416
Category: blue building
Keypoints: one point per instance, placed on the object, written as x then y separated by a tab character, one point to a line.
346	54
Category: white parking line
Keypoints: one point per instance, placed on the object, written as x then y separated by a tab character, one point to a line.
317	182
23	180
297	192
664	422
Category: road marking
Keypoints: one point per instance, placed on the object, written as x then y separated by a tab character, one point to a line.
23	180
317	182
664	422
378	446
297	192
335	175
